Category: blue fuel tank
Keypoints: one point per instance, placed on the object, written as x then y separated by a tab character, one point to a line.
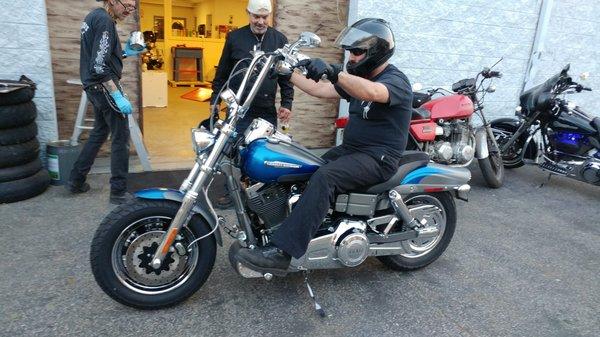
270	160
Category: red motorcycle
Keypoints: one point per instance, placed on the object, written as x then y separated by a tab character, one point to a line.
443	127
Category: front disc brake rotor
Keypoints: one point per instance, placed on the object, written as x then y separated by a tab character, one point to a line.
139	255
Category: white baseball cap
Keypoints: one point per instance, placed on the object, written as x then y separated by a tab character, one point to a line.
259	6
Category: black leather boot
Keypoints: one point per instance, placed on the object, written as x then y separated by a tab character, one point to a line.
266	258
77	189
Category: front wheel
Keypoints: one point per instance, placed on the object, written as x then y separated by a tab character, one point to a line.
492	167
431	209
125	242
511	157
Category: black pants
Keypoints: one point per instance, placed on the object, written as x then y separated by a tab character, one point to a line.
346	170
106	121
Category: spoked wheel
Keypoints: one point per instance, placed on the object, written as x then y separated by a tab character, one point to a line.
492	167
436	210
511	158
125	243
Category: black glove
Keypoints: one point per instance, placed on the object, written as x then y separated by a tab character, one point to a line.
316	68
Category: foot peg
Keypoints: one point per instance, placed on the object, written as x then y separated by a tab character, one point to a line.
247	272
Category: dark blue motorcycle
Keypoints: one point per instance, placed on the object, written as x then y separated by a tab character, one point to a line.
551	132
159	249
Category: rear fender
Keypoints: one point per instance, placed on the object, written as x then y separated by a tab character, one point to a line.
437	178
203	206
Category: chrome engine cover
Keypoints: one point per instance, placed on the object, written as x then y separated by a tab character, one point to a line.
353	249
464	153
590	171
347	246
456	146
443	151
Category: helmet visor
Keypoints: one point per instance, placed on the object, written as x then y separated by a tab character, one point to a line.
355	38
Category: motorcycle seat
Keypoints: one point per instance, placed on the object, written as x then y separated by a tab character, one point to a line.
596	123
410	161
420	114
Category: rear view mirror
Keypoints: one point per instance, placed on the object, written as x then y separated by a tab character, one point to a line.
584	76
417	86
308	40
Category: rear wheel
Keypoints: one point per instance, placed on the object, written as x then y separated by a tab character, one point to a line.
432	209
123	247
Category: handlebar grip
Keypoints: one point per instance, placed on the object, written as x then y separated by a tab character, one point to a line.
587	88
495	74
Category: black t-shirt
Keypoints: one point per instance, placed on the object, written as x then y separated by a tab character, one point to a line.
380	129
238	46
100	57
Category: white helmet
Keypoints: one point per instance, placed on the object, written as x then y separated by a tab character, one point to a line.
259	6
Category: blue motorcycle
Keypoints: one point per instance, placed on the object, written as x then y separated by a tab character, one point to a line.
159	249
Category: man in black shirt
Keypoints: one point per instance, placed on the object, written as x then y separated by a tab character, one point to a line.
100	68
380	99
238	46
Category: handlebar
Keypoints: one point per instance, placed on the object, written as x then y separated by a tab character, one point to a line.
491	73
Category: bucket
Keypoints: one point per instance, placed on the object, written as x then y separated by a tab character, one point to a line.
61	157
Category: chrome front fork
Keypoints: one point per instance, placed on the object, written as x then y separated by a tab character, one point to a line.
204	172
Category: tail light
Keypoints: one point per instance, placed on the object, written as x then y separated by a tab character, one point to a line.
341	122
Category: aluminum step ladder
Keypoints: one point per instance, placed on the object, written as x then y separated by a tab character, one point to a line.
134	129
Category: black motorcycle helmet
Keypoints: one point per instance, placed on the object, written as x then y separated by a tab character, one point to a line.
371	35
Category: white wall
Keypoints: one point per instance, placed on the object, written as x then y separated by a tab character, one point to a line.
441	42
25	50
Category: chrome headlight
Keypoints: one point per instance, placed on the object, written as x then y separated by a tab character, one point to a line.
202	139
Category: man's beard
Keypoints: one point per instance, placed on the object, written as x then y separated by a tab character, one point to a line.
257	30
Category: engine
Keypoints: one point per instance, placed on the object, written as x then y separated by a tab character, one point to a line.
269	202
456	144
590	171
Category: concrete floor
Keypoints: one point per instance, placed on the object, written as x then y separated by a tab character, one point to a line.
167	130
523	262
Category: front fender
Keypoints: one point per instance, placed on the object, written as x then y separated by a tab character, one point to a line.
203	206
481	144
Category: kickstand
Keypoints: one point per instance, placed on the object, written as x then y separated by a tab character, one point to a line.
545	182
318	307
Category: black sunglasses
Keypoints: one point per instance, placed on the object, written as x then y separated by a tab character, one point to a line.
128	7
357	51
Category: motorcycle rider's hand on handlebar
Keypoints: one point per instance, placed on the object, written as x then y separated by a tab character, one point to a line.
316	68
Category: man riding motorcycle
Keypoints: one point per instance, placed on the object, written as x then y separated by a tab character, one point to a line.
380	99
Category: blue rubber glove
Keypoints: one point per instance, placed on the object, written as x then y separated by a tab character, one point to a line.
122	102
128	51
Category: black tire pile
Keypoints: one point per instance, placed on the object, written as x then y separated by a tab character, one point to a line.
21	173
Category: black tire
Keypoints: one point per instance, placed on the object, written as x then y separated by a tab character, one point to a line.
21	189
492	167
20	171
19	154
12	116
112	234
19	134
512	157
18	96
403	263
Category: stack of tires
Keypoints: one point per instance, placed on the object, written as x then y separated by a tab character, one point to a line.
21	172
